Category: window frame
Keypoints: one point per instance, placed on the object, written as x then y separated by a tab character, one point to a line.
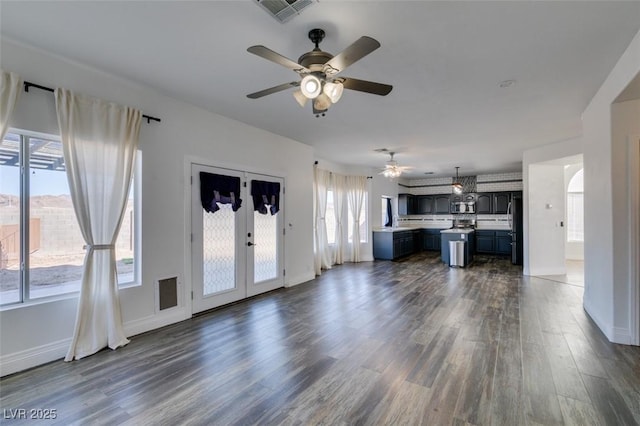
24	290
569	234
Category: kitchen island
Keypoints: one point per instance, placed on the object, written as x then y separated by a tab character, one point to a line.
466	235
390	243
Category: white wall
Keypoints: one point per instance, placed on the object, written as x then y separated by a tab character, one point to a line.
546	212
536	156
625	121
606	299
39	333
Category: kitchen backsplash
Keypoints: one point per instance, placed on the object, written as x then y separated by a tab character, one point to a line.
511	181
499	182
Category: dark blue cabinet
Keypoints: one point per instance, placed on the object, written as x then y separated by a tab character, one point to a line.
493	202
483	203
431	239
389	245
424	204
501	202
406	204
441	204
503	242
493	242
485	241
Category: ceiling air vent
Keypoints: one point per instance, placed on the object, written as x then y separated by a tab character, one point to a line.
283	10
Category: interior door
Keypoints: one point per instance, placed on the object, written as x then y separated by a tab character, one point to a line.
234	254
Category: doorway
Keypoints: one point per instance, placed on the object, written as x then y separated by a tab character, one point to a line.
237	252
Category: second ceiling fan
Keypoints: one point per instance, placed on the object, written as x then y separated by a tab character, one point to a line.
319	73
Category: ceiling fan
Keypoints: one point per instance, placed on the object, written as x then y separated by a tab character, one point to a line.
319	73
392	170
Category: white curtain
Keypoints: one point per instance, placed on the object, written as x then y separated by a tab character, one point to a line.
99	141
10	89
322	251
339	189
356	189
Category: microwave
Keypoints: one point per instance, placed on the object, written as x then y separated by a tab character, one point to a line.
463	207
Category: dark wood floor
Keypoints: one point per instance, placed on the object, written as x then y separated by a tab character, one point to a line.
400	343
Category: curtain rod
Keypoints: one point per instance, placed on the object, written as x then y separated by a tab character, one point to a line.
28	84
315	163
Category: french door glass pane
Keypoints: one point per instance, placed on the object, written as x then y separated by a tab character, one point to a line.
265	253
10	219
218	250
56	251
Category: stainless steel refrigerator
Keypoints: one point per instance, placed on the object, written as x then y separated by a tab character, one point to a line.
515	221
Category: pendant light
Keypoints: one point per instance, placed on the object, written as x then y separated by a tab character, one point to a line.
457	186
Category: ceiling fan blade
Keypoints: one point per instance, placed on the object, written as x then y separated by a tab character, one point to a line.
266	53
274	89
366	86
358	50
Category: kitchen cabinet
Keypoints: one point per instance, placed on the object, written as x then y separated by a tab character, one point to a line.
500	202
416	236
483	203
424	204
493	202
391	245
503	242
485	241
406	204
431	239
441	204
493	242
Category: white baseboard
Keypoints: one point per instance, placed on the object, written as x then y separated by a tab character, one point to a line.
142	325
19	361
618	335
603	326
293	281
622	336
547	271
33	357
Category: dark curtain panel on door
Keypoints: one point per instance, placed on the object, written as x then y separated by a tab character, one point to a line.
265	194
389	221
221	189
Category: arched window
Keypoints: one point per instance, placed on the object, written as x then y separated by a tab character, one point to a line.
575	208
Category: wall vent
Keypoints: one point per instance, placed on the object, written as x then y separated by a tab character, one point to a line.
167	293
284	10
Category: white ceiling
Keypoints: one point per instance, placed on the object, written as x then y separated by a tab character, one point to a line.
444	59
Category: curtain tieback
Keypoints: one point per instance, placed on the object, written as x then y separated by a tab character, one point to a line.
99	246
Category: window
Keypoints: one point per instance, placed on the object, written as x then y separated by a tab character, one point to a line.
330	218
41	246
575	208
362	221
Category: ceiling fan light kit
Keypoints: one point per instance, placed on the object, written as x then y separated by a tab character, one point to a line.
311	86
391	169
318	71
333	91
391	173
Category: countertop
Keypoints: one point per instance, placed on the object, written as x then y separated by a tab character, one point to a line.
457	231
405	228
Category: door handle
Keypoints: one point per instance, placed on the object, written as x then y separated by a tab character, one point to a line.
250	244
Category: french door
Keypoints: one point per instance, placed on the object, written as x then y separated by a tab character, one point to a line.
238	254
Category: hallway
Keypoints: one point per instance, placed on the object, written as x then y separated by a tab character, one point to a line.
574	275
